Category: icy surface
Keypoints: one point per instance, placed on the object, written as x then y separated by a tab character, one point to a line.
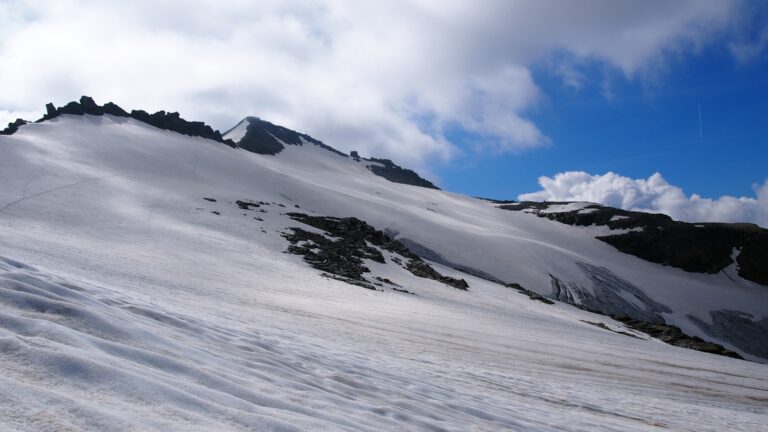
126	304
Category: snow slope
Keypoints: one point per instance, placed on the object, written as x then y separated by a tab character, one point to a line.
126	304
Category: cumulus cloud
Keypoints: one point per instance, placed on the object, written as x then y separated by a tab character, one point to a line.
385	78
653	194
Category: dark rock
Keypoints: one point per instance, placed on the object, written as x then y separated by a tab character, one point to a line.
13	127
247	205
421	269
173	122
396	174
385	280
50	112
216	213
404	291
532	295
210	199
89	106
497	201
605	327
73	108
353	240
160	119
350	281
114	110
674	336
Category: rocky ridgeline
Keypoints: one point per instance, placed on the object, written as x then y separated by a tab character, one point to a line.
693	247
393	172
13	127
163	120
346	242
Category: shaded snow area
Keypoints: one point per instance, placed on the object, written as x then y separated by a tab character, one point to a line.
136	294
84	356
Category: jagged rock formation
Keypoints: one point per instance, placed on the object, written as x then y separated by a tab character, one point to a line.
163	120
394	173
699	247
352	240
13	127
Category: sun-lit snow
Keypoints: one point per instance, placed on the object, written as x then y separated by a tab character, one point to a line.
238	132
125	303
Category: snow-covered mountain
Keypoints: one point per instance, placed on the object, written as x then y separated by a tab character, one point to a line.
156	274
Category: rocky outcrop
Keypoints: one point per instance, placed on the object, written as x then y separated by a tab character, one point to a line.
693	247
13	127
532	295
674	336
394	173
421	269
163	120
172	121
346	242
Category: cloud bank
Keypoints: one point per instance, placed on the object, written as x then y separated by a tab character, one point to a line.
385	78
654	195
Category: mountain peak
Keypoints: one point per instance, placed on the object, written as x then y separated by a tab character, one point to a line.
262	137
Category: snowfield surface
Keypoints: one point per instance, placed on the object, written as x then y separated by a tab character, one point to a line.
127	304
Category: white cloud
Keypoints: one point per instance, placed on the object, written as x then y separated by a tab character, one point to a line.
386	78
654	195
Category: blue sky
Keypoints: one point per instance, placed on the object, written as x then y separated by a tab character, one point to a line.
642	127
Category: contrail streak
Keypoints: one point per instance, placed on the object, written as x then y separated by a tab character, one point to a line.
701	139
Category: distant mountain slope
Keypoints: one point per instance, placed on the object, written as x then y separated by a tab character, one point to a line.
693	247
